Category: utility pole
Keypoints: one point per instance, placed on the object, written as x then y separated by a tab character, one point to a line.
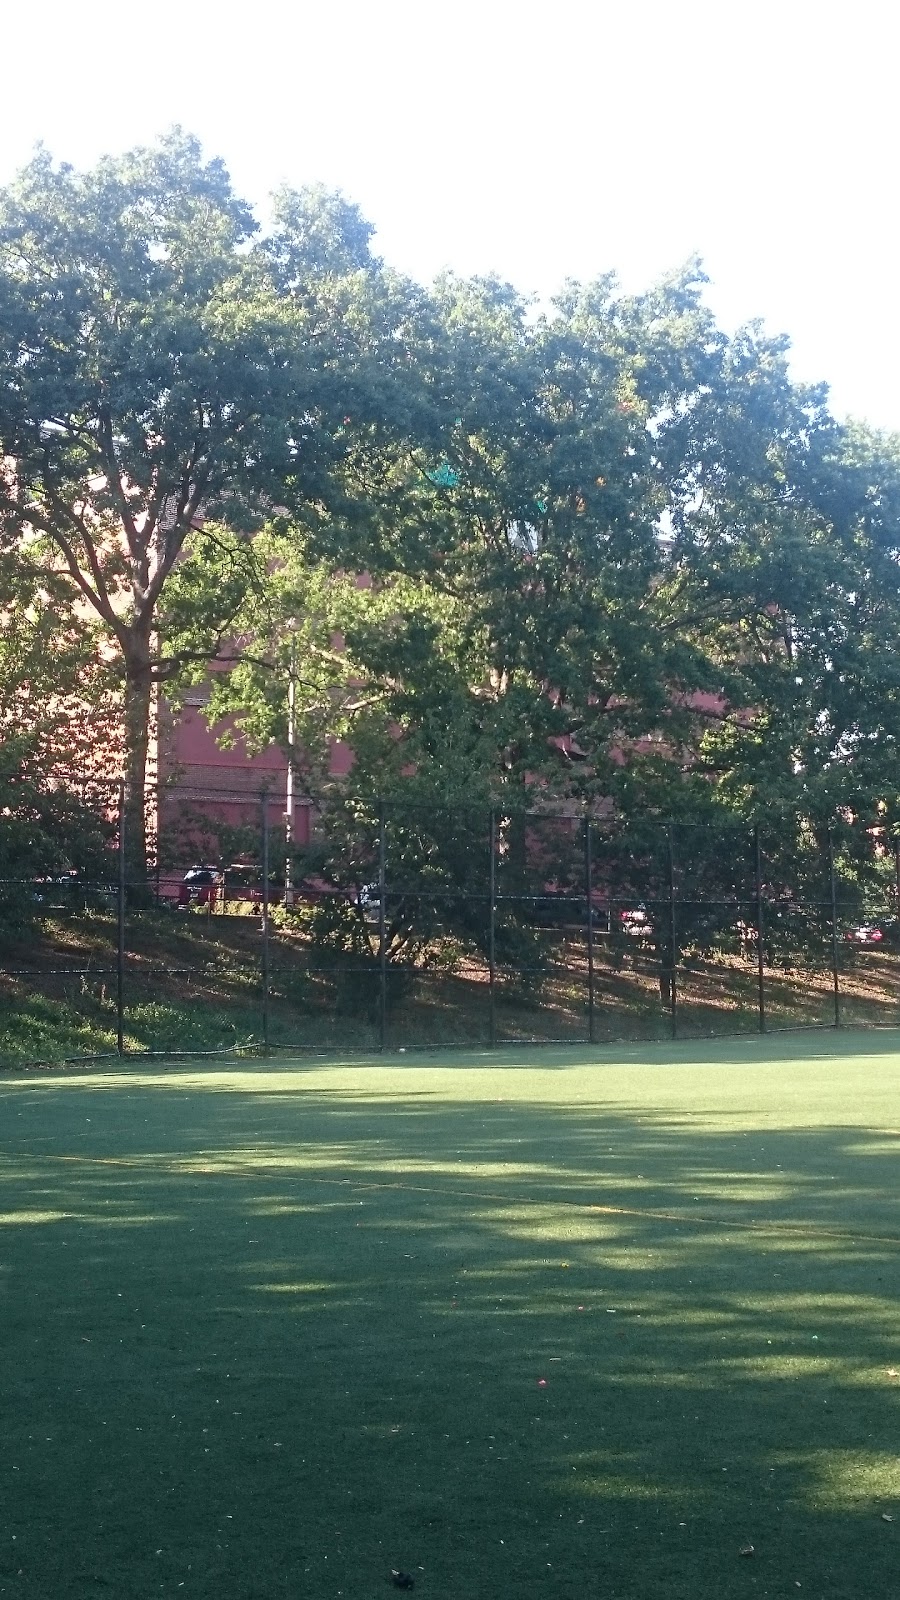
289	787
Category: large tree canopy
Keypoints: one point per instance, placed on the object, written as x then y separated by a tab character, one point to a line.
616	556
575	560
160	366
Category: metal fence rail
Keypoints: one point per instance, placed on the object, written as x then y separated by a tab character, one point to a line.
395	924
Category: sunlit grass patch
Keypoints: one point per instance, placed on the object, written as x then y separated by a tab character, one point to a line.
850	1480
18	1219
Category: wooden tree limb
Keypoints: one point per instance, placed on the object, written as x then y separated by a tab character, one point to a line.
136	543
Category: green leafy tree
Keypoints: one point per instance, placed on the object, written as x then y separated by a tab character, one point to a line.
161	368
538	627
617	559
547	617
807	601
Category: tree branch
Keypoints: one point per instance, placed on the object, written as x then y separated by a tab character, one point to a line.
99	600
98	596
136	545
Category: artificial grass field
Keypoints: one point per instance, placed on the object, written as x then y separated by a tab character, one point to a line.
537	1323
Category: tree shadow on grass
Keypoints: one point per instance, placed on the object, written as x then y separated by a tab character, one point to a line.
277	1343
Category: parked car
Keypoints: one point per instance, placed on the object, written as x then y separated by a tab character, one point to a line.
865	933
636	923
200	886
556	909
242	883
69	891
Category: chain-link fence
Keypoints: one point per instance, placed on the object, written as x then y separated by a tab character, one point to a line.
339	923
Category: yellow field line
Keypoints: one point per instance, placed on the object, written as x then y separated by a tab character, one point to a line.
246	1169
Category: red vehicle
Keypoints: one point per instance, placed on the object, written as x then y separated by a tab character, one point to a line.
200	886
865	933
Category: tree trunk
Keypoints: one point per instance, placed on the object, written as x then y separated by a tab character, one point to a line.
665	958
137	714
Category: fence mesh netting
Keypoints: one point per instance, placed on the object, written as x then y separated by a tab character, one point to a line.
351	924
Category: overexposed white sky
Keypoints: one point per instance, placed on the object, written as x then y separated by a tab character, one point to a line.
561	140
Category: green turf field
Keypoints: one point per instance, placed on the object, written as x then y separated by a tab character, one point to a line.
537	1323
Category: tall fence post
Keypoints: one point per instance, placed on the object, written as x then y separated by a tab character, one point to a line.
673	987
266	952
492	935
835	969
382	929
120	950
589	903
760	932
